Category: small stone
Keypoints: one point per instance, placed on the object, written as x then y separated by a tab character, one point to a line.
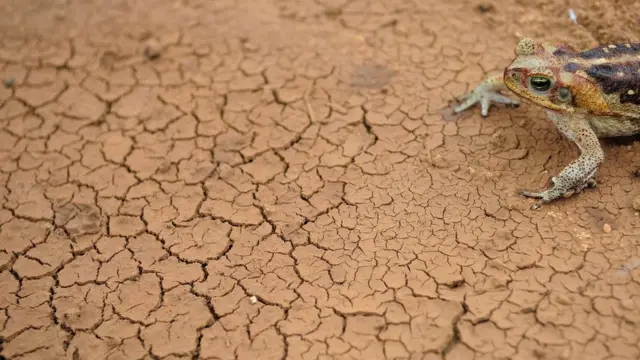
606	228
636	203
253	299
9	82
484	8
152	49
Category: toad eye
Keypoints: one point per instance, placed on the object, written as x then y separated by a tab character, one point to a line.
540	83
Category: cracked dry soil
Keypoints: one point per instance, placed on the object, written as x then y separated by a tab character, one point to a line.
277	180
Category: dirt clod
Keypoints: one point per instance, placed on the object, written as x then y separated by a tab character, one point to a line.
484	8
606	228
152	49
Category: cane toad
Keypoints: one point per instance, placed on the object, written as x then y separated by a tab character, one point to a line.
588	95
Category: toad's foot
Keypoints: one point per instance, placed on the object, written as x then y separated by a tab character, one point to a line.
557	190
580	173
487	92
485	98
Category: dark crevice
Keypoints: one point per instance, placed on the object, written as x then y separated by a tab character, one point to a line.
455	339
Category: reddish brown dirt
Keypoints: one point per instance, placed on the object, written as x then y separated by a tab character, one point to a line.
280	182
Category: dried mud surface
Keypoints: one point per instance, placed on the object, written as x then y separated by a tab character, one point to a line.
276	180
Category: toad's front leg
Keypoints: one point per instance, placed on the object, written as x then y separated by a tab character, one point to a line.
579	173
485	93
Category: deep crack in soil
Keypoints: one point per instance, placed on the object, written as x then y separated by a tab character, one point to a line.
280	179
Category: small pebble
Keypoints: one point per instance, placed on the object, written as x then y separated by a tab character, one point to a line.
636	203
484	8
152	49
253	299
9	82
606	228
573	17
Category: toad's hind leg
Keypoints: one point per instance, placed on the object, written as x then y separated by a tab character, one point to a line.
487	92
580	173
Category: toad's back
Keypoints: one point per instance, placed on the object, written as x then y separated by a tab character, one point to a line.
615	69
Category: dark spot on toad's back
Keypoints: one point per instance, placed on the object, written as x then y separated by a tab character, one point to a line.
572	67
564	50
610	51
615	78
630	96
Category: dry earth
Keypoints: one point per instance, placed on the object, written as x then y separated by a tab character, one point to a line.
280	179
